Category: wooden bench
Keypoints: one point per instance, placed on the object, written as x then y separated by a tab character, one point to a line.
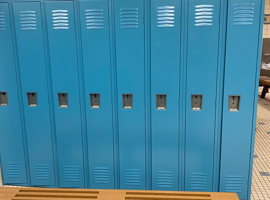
265	81
24	193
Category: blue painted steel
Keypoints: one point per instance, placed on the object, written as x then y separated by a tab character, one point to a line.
129	30
165	71
11	140
97	76
144	48
240	69
63	59
31	58
202	65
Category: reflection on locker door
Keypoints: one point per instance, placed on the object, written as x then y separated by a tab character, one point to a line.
130	82
202	65
165	70
97	77
11	140
34	90
239	90
64	70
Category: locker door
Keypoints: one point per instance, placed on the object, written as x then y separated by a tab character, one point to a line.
239	87
11	141
165	71
97	76
202	65
34	90
64	70
129	29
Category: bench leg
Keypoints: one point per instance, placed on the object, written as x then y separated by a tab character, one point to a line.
264	91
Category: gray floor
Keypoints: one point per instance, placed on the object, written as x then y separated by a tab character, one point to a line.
261	166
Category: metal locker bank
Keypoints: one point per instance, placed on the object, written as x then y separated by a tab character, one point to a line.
129	94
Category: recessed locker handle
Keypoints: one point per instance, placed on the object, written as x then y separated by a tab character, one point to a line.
196	102
3	99
32	99
95	100
127	101
234	103
161	101
63	100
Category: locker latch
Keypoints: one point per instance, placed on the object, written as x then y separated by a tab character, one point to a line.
161	101
95	100
3	99
127	101
32	99
196	102
234	103
63	100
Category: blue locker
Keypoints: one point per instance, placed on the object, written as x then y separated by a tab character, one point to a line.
29	35
129	33
98	96
11	140
202	68
165	72
239	102
64	71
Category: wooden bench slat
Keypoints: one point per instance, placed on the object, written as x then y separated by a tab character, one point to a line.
7	193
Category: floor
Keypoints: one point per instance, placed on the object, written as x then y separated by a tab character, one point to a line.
261	166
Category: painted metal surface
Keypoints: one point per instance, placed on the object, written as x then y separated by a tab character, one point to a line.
31	59
165	67
129	31
202	64
64	71
129	93
94	17
13	161
240	73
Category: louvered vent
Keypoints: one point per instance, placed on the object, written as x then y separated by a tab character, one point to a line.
234	184
198	181
94	18
2	21
28	20
42	171
165	16
133	177
14	170
204	15
60	19
71	173
129	18
165	179
101	175
243	13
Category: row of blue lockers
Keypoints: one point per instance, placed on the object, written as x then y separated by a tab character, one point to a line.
130	94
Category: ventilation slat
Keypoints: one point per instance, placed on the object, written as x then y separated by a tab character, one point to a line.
60	19
14	170
244	14
203	15
165	16
94	18
129	18
71	173
234	184
133	177
199	181
28	20
101	175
